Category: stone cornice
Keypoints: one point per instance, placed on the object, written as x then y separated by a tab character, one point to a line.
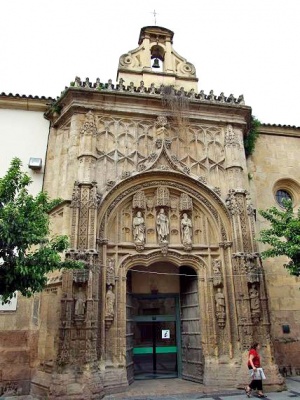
279	130
80	100
28	103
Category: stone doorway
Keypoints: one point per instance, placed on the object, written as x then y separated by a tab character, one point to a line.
163	330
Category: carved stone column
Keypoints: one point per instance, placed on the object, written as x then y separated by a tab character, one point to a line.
233	146
249	285
79	337
87	145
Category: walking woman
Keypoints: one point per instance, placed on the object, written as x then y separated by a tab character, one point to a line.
253	365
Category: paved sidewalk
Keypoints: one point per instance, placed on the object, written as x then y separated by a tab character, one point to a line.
178	389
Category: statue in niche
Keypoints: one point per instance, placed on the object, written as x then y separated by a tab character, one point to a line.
217	277
254	299
252	269
80	302
220	301
110	272
162	226
138	228
186	229
220	308
109	303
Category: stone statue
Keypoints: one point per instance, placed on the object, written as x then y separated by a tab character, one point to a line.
138	228
251	268
80	301
254	299
217	277
110	272
162	226
109	303
186	229
220	301
220	308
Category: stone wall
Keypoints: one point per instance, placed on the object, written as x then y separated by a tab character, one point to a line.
18	348
274	166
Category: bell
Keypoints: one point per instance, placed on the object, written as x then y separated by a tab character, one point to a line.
155	63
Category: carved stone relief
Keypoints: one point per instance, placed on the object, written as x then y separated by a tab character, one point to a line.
123	146
179	223
84	205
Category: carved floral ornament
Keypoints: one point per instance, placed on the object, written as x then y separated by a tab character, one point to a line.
89	126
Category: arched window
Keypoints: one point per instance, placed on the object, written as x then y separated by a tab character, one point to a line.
286	189
282	195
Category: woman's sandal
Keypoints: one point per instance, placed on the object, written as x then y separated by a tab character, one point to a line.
248	392
261	396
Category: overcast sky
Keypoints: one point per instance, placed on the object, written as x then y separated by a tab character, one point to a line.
248	47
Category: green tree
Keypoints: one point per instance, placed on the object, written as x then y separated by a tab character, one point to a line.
252	136
283	236
27	253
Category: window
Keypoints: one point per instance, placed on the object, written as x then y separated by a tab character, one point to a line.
287	189
282	195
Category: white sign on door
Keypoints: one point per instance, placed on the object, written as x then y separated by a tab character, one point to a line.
165	333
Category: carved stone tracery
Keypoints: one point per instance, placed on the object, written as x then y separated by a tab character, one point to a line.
139	200
186	202
162	196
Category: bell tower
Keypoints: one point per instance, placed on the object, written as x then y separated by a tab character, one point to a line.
155	61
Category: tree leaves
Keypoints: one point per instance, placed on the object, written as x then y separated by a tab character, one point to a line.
27	253
283	236
252	135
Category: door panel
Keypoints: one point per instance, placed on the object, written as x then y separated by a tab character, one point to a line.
192	357
155	336
166	349
129	338
155	350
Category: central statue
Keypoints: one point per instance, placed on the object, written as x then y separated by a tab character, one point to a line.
162	226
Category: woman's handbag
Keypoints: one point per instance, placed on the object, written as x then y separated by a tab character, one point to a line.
258	374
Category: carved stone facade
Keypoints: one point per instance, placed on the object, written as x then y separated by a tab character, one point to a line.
158	203
165	193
